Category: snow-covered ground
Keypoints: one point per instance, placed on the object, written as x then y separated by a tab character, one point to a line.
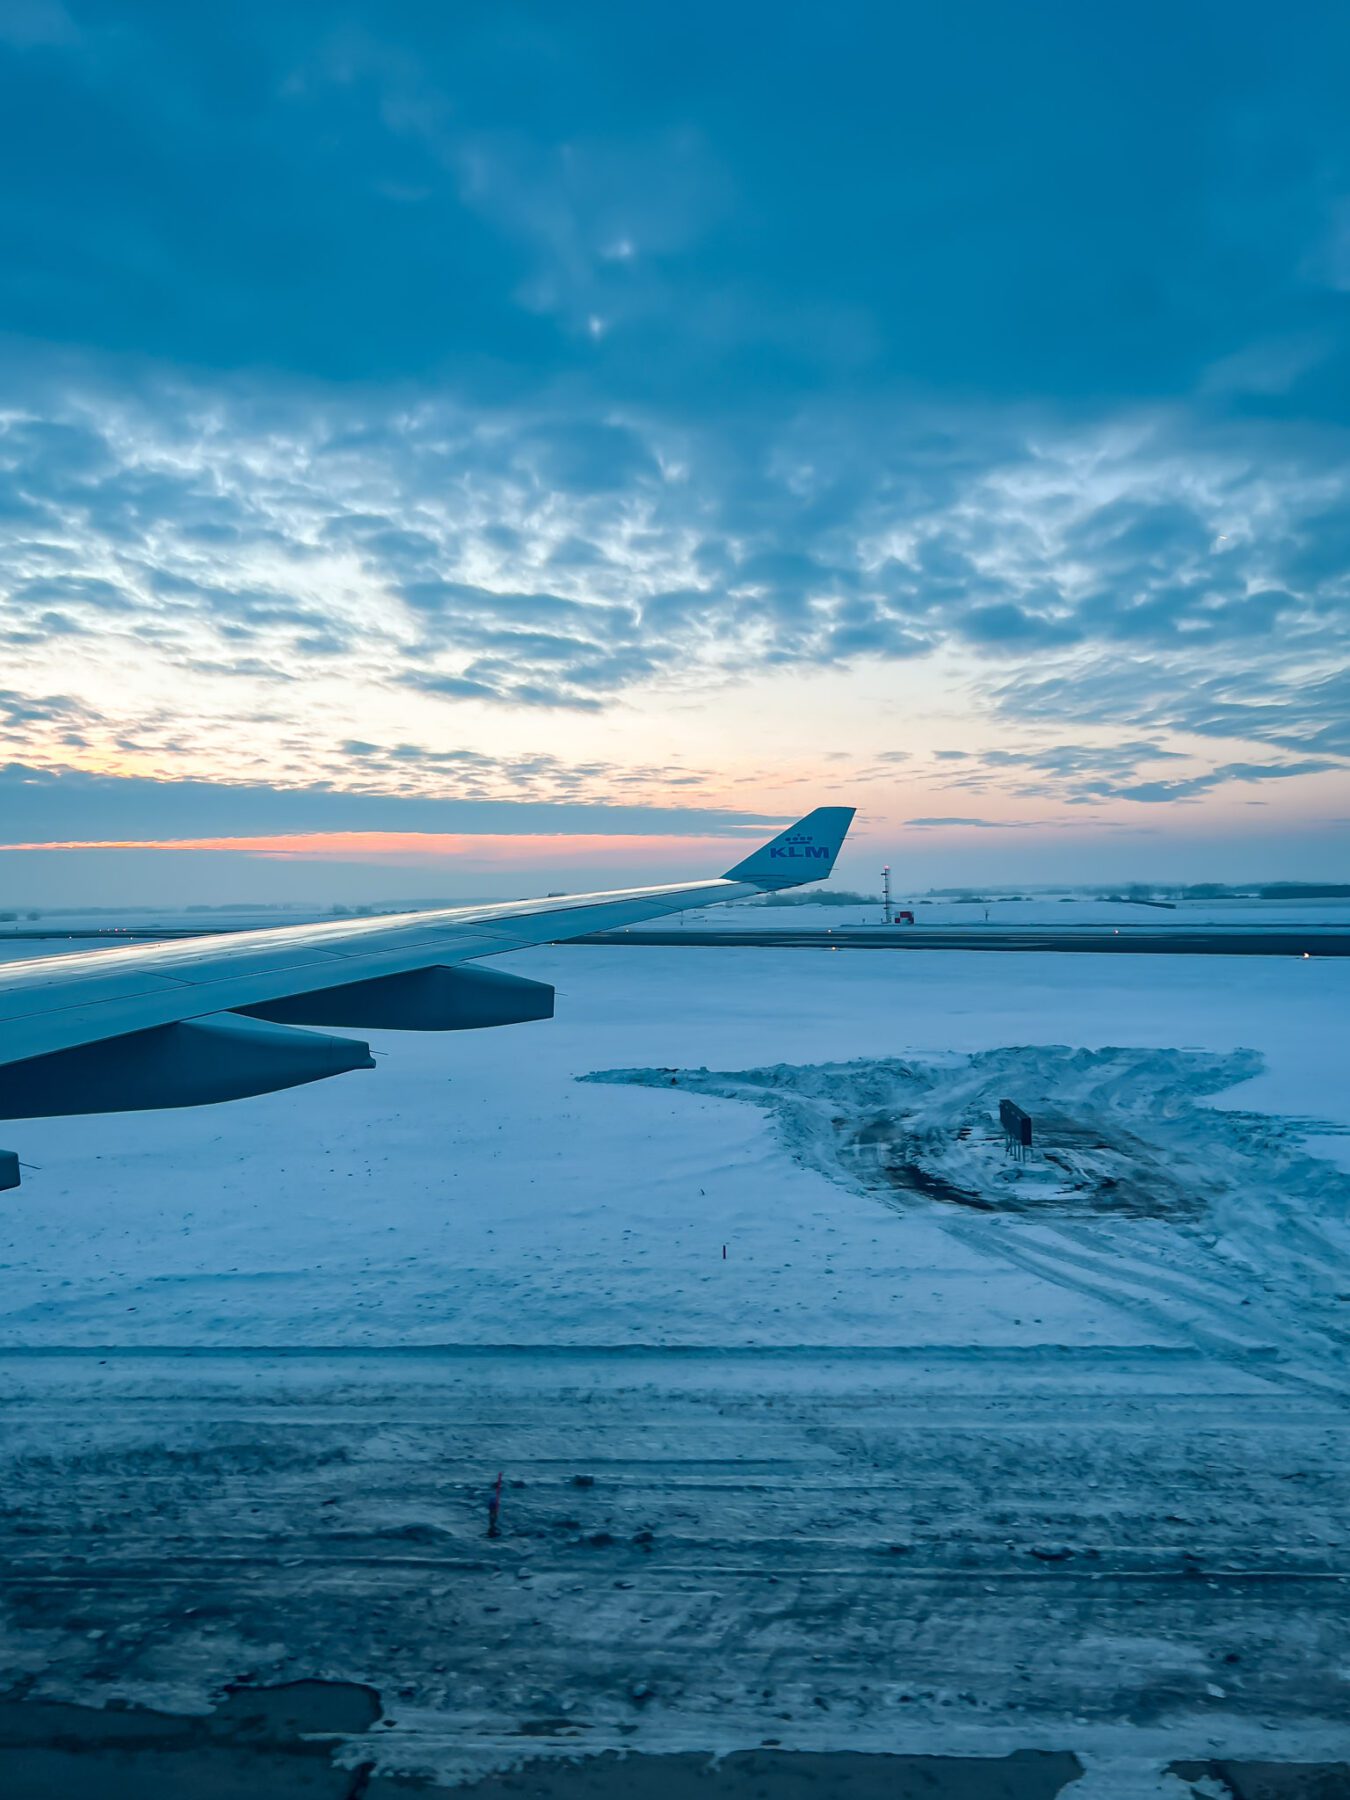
1064	912
811	1451
472	1190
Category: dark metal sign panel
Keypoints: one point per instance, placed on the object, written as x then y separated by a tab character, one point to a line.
1016	1124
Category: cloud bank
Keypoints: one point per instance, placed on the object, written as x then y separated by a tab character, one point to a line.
509	409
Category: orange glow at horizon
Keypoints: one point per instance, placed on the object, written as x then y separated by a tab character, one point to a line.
421	847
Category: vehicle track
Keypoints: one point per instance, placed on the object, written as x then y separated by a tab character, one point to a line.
827	1548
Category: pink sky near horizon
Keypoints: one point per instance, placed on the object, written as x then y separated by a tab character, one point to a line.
419	849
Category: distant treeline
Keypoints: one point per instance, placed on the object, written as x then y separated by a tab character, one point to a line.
822	897
1161	892
1268	890
1306	890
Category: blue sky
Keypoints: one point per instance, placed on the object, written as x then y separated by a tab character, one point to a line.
592	431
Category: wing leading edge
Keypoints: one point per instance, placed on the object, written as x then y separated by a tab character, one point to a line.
187	1022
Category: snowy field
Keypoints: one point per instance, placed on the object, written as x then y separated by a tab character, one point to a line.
472	1190
1064	912
822	1425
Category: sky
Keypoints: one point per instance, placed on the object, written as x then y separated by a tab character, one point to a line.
480	449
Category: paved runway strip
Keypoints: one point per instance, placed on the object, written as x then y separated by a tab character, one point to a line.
1128	940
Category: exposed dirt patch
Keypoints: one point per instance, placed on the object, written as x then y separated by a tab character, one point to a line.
257	1742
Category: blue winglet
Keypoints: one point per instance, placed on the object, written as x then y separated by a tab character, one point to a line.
804	852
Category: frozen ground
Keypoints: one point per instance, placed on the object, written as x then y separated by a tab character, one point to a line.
472	1190
1058	1470
1064	912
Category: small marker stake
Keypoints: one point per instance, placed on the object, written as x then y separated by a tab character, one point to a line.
494	1508
724	1253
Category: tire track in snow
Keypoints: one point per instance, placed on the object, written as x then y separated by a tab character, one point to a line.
1195	1319
1244	1260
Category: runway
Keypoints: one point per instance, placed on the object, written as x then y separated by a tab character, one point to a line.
1125	940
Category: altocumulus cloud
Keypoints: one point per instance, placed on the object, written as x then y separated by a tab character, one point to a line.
179	530
521	364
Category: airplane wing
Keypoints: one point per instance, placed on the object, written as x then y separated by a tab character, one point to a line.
215	1018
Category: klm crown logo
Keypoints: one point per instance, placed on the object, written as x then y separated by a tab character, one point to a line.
799	846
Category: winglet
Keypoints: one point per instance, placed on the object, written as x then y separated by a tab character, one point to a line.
804	852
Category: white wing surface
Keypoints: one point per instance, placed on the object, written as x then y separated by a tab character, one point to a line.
213	1018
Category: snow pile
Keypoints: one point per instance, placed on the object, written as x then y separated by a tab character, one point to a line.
1122	1134
1119	1131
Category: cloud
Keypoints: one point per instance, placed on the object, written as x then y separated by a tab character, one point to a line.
1006	625
1275	703
1095	773
1186	788
391	366
174	531
398	196
31	24
65	723
977	824
42	806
